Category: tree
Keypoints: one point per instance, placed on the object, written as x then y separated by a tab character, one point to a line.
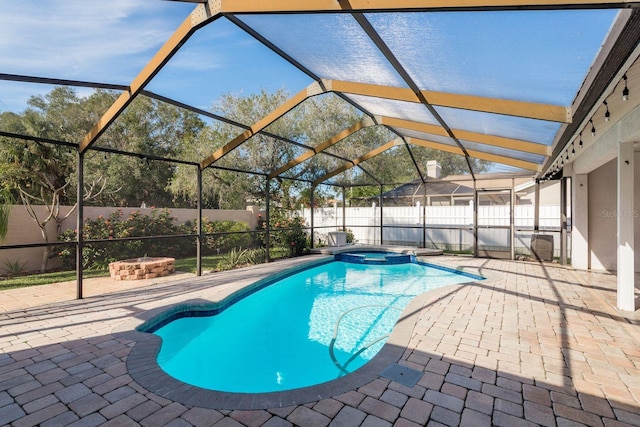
219	188
323	118
227	189
312	122
6	200
40	173
151	128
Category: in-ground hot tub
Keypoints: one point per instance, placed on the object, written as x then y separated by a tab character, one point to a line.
142	268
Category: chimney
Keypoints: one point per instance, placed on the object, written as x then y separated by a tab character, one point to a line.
433	169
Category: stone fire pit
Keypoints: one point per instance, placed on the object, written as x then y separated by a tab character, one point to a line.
141	268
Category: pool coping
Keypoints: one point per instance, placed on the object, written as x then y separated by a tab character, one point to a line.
143	367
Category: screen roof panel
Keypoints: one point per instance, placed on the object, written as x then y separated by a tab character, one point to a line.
500	168
528	157
389	161
220	59
427	136
450	163
361	142
350	177
66	113
314	167
505	58
332	46
393	108
534	56
261	154
539	131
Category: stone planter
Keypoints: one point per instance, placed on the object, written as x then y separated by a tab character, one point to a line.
141	268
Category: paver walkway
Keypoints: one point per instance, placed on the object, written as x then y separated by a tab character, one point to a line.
537	345
34	296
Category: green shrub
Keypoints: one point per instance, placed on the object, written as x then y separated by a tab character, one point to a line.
256	256
14	268
226	235
98	255
234	259
286	233
351	238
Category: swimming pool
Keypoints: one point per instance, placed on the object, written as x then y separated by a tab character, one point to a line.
308	328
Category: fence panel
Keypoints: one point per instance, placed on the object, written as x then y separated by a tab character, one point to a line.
449	215
447	227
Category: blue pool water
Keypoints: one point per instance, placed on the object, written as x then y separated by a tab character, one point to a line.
311	327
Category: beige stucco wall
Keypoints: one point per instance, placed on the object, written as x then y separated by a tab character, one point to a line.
549	194
603	216
500	183
23	230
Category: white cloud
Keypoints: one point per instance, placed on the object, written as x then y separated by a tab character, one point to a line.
212	48
195	59
84	40
110	41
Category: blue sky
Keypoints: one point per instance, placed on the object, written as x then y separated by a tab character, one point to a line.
110	41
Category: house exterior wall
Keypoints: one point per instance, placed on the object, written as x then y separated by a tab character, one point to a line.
603	217
549	194
494	183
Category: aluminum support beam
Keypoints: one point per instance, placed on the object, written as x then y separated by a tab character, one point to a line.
495	141
507	107
476	154
512	223
199	237
381	216
350	6
344	209
366	122
424	215
312	90
536	211
476	200
268	218
80	224
563	221
357	161
311	205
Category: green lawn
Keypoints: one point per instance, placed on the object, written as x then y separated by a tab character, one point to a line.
46	278
187	265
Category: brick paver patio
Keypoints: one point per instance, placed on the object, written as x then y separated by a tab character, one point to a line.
536	345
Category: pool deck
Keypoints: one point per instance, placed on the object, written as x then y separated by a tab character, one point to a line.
537	344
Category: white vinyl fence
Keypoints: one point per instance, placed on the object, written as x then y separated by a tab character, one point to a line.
445	227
